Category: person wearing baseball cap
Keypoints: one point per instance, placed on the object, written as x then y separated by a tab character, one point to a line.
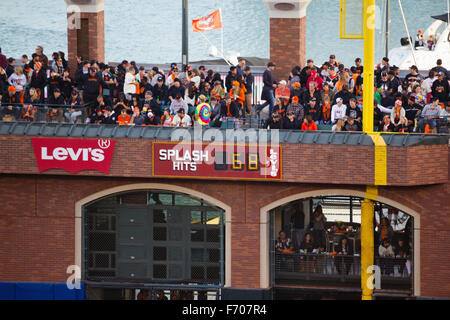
440	88
282	92
359	65
150	104
338	111
397	113
181	119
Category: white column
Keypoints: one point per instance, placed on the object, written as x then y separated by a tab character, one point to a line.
287	9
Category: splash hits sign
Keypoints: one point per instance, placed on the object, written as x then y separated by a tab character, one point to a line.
223	161
73	155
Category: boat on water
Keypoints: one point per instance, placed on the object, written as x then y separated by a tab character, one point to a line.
421	56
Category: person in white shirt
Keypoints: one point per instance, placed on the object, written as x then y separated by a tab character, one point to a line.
338	111
129	86
18	79
181	119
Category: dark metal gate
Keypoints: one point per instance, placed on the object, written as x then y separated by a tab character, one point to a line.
154	238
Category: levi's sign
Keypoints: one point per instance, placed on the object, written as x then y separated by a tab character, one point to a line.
222	161
73	155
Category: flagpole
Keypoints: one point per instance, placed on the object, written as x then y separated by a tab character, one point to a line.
221	32
221	52
185	35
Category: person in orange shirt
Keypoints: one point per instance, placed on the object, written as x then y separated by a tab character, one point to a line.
237	93
309	124
124	118
283	92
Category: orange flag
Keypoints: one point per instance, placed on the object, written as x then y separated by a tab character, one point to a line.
210	22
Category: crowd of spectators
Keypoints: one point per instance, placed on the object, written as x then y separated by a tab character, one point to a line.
310	97
392	247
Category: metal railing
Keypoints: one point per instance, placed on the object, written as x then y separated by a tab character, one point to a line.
323	266
44	113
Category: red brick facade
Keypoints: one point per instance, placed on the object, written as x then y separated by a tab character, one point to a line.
95	37
37	215
301	163
287	45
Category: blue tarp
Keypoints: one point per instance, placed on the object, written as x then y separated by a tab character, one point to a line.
39	291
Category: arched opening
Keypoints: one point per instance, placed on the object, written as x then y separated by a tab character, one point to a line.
151	243
304	257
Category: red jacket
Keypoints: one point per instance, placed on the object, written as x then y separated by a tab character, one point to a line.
311	127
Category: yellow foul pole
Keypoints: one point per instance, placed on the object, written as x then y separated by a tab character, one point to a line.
369	62
367	208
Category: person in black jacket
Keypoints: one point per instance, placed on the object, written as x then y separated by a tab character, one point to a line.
274	122
176	89
81	74
313	109
160	92
229	108
440	88
343	260
393	83
3	80
92	86
344	94
231	77
268	89
289	122
10	67
109	116
38	79
149	104
249	79
56	103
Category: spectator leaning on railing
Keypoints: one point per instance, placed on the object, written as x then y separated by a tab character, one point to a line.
330	94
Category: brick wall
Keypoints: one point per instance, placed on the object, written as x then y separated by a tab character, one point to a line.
37	224
96	39
302	163
287	45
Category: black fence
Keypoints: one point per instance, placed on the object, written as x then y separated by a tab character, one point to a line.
298	268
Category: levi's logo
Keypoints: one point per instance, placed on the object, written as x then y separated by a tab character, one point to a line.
73	155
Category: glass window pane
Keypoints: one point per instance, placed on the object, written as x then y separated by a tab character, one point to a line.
159	216
159	253
134	198
213	217
160	198
113	260
184	200
160	233
196	217
159	271
197	235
